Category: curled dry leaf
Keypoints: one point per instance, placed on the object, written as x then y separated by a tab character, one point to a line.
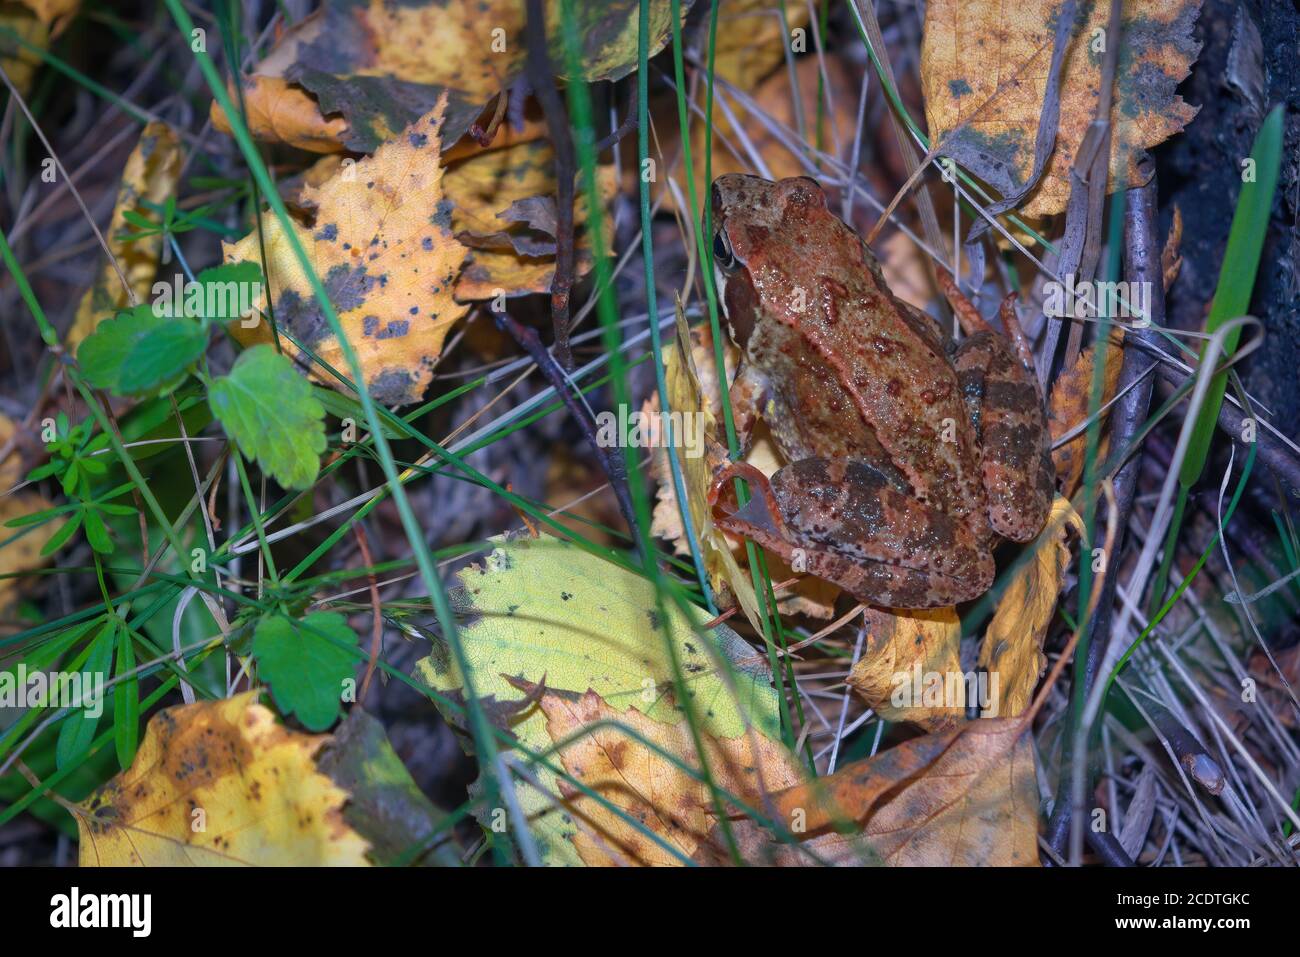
1068	408
503	209
356	72
984	70
1171	257
966	797
150	176
910	668
382	246
219	783
671	803
1012	651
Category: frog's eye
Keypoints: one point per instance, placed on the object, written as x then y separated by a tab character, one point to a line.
722	251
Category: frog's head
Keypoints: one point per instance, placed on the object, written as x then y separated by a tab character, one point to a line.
752	220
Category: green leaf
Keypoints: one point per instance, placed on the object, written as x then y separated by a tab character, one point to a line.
126	701
137	352
305	666
1236	281
79	726
97	533
61	537
269	409
548	612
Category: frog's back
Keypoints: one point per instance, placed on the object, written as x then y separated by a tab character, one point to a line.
872	379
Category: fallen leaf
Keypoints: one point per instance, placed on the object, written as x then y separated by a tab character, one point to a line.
966	797
356	72
21	61
1068	408
1012	651
545	611
219	783
151	174
503	209
910	668
50	11
382	247
984	72
674	805
1171	257
752	39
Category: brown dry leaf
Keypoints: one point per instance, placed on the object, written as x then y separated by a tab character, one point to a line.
1012	651
1171	257
967	797
984	70
151	174
1068	408
220	783
910	669
382	246
673	804
752	40
356	72
503	208
774	98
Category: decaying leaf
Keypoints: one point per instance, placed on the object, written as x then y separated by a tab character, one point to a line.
545	611
984	72
357	72
966	797
21	551
1068	408
219	783
503	209
1012	651
674	805
910	668
382	246
150	176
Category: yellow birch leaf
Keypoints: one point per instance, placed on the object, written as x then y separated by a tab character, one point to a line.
503	208
752	39
23	553
984	72
910	669
278	111
382	247
673	804
1012	650
251	784
151	173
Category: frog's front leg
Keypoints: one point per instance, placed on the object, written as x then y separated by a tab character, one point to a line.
1006	409
749	392
845	521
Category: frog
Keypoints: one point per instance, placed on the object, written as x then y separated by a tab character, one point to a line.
910	455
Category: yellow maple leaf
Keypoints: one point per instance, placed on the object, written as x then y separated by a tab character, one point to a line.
382	247
220	783
150	176
671	803
985	70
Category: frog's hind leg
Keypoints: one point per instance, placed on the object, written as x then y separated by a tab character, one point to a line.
1006	409
846	522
